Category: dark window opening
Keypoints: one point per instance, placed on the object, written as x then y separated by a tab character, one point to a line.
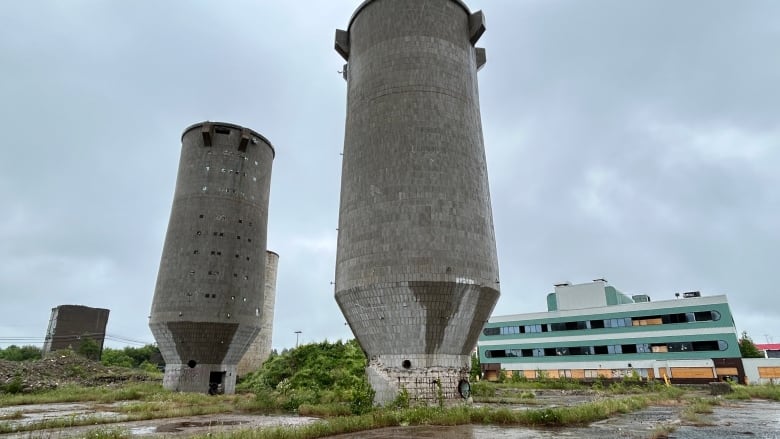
406	364
628	348
192	363
597	324
549	352
600	350
709	345
222	130
195	252
200	216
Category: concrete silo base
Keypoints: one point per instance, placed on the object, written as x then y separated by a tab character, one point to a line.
203	378
425	385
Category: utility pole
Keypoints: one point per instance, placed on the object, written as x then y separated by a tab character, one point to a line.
297	334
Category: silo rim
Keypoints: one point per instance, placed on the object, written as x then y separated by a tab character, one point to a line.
366	2
272	252
230	125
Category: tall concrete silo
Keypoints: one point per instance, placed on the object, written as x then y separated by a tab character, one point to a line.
208	299
416	270
260	348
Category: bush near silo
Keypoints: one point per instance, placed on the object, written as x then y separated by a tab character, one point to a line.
317	373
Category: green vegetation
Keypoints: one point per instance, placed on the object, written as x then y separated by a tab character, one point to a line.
317	373
698	407
476	368
142	358
23	353
89	348
747	348
769	391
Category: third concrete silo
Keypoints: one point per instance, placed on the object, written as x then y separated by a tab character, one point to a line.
416	270
260	348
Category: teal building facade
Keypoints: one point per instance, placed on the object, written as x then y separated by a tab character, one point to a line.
593	330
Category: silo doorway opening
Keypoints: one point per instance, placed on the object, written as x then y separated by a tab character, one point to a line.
216	383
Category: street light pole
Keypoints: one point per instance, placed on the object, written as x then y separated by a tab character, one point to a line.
297	334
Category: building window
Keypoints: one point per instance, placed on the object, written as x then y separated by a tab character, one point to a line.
617	323
643	348
533	329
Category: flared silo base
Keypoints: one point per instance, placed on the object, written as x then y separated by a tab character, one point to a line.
203	378
435	384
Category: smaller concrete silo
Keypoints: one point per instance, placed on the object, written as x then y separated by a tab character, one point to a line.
260	348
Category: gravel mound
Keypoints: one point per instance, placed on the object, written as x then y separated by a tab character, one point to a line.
62	368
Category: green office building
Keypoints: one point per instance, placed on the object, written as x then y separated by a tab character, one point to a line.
593	330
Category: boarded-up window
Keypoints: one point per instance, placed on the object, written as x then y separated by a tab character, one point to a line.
692	372
769	372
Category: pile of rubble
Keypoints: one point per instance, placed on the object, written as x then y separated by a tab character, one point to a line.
62	368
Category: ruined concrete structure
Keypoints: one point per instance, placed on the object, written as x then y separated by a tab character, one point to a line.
208	301
416	270
71	325
260	348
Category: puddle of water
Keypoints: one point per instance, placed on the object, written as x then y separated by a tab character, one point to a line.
181	426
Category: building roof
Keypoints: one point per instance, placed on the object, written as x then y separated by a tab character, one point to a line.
768	346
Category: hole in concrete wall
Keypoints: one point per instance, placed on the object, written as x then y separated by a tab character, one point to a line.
192	363
464	388
222	130
406	364
200	216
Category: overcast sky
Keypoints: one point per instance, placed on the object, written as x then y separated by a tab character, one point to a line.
638	141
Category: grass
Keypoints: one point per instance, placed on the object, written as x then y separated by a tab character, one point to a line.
698	407
17	414
548	417
147	402
768	391
77	393
662	431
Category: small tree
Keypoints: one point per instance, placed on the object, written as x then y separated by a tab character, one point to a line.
89	348
476	369
115	357
747	348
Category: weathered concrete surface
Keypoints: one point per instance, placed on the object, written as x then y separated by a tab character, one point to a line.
260	348
416	270
209	295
